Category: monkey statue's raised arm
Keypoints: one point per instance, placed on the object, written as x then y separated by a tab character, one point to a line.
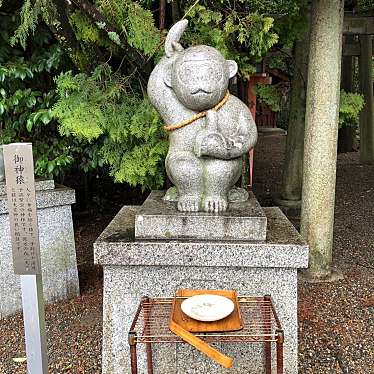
209	128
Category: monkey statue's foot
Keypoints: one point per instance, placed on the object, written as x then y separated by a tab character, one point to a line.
215	204
188	203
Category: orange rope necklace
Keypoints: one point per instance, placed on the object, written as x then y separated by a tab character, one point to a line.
197	116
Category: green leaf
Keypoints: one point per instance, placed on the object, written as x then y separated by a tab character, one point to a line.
46	117
50	167
31	101
29	124
269	95
114	37
351	105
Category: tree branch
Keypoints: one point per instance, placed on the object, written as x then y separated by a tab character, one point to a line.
95	15
56	18
102	22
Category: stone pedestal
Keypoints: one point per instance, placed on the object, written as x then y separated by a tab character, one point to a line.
136	267
57	246
158	219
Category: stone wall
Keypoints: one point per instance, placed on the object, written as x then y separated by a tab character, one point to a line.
57	246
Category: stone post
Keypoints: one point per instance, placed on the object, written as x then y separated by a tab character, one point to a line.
321	130
293	163
366	87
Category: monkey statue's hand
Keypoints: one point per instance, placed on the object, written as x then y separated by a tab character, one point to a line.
208	143
177	47
211	123
209	138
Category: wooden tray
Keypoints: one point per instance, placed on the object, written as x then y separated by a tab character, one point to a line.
233	322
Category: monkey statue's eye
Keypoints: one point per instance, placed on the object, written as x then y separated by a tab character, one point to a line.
213	72
184	73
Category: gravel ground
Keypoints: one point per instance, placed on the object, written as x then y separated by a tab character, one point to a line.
336	320
74	327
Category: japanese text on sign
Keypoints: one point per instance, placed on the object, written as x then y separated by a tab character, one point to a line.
19	174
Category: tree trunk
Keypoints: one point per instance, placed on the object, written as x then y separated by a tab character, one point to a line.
321	131
293	163
366	87
162	14
175	11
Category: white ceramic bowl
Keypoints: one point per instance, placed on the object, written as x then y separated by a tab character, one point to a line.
207	308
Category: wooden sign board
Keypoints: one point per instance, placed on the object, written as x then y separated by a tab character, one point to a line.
20	186
357	25
351	49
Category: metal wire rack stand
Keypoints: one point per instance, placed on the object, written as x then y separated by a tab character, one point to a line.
261	325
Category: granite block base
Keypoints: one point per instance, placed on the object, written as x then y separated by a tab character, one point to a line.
134	268
158	219
57	247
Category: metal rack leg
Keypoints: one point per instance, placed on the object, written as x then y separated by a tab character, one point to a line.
268	357
280	341
133	355
267	316
149	358
147	315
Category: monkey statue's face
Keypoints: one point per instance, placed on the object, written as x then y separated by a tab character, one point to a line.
200	77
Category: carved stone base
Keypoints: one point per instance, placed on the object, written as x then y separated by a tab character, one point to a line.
158	219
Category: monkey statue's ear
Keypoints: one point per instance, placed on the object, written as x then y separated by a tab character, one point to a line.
167	74
233	67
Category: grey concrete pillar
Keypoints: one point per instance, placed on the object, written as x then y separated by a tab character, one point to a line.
321	130
293	162
367	114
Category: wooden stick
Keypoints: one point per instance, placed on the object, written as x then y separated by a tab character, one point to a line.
202	346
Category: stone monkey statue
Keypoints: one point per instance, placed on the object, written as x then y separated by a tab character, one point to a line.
204	159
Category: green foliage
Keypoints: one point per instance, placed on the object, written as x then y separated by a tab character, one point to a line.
292	25
27	95
30	14
245	37
365	5
280	61
350	107
99	108
84	29
104	117
140	29
274	7
135	22
269	95
253	31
